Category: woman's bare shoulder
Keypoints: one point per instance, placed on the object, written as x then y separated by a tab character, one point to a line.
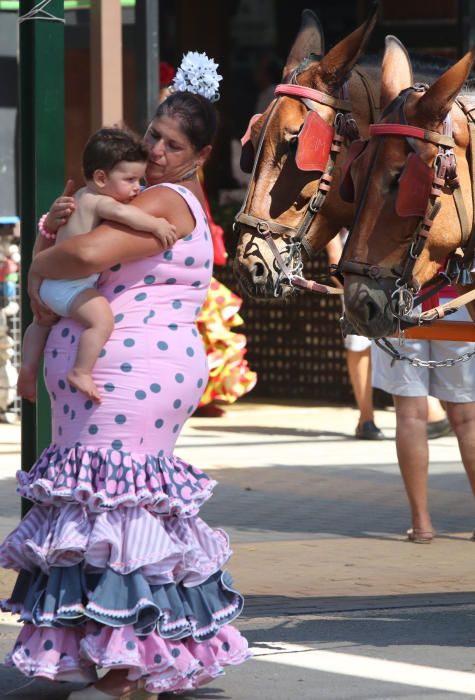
158	201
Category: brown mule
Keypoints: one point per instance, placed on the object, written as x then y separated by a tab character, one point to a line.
293	147
413	190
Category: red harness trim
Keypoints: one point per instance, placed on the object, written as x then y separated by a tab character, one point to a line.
415	132
308	93
397	130
300	91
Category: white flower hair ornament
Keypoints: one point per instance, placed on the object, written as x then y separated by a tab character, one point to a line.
197	74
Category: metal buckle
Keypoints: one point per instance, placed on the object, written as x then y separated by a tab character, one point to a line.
262	227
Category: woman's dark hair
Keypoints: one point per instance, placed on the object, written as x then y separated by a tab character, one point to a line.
197	116
108	147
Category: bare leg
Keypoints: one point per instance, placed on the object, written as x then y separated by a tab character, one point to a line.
359	369
92	311
116	683
462	420
435	412
34	342
413	456
437	423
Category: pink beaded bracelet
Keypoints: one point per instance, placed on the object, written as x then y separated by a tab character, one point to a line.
44	231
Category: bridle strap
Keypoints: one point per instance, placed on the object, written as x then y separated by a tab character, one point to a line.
301	91
374	107
414	132
262	226
449	307
468	107
367	269
297	280
240	213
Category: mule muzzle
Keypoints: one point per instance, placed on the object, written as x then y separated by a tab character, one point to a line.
257	280
367	305
256	268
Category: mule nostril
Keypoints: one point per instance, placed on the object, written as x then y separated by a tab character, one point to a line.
258	272
372	310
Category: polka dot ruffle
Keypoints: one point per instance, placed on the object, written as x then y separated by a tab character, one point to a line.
105	478
169	666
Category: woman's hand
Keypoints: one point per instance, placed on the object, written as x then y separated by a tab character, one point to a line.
61	209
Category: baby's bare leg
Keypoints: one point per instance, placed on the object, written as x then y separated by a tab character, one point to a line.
34	342
92	311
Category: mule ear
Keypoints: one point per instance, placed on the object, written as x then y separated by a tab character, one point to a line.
396	71
338	62
308	40
438	100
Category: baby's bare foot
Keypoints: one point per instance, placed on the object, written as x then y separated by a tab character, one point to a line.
26	385
83	381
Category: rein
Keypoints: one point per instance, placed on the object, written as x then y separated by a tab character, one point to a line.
420	198
290	272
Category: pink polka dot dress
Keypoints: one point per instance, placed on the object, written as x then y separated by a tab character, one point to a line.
115	566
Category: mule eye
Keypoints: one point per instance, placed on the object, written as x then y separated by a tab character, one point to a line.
293	143
394	182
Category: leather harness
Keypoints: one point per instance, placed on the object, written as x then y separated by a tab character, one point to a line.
344	126
444	176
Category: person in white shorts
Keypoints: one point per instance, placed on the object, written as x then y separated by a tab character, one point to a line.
410	386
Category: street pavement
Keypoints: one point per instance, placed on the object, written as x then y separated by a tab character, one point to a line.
339	605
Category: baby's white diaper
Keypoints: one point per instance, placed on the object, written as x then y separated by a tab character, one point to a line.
59	294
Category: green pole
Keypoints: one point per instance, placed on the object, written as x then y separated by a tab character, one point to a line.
41	166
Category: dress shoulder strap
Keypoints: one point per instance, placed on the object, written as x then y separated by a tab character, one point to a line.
190	198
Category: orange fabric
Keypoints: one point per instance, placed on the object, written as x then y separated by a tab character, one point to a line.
229	374
443	330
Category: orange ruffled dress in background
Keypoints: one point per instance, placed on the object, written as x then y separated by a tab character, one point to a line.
229	374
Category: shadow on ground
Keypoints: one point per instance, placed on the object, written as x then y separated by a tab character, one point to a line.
337	500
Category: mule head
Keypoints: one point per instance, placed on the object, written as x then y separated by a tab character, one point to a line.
393	178
288	145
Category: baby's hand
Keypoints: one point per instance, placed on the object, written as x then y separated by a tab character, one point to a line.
165	232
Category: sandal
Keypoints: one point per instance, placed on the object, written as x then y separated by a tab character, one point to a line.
419	536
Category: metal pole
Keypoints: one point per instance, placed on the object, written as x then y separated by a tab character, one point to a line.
147	60
106	63
41	168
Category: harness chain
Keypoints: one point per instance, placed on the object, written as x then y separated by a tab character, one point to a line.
389	348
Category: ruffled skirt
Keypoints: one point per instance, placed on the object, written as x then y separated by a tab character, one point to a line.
229	374
117	570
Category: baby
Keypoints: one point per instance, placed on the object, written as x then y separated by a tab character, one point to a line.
114	163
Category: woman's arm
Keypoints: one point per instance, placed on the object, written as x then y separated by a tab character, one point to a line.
110	243
42	243
135	218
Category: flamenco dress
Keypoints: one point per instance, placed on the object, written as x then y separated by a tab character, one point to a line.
115	567
230	376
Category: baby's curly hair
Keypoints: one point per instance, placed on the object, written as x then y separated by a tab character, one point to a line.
108	147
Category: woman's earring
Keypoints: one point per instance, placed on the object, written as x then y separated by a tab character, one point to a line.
191	173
